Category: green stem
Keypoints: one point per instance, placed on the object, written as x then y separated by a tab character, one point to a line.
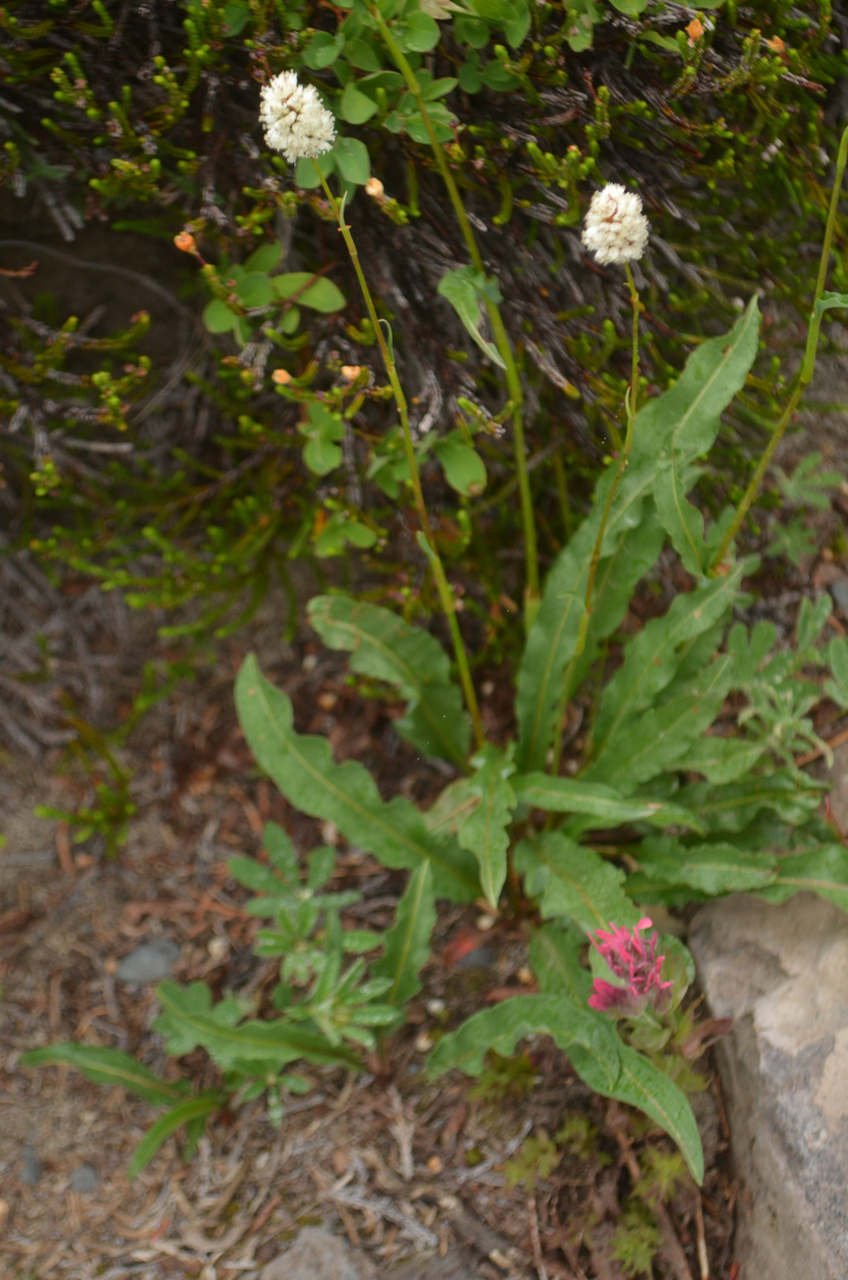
630	401
805	374
443	587
513	381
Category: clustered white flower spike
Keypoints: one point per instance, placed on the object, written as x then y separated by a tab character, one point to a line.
295	120
616	229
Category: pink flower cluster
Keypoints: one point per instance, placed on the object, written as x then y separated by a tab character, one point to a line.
634	960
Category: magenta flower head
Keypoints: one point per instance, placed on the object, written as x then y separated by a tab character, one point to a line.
633	959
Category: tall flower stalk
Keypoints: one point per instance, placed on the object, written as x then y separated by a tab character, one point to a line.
616	231
805	374
297	124
499	333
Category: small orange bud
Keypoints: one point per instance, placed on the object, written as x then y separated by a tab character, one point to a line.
374	187
186	242
282	377
351	371
695	30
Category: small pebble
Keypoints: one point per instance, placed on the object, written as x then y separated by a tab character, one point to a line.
839	591
525	975
218	948
84	1179
150	962
31	1167
423	1042
434	1164
481	958
485	922
435	1007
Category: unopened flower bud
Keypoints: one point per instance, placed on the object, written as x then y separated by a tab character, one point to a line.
374	187
351	371
282	377
186	242
616	229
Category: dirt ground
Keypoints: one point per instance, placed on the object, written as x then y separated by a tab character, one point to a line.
401	1165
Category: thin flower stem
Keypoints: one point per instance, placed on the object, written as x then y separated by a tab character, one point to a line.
499	333
805	375
630	401
443	587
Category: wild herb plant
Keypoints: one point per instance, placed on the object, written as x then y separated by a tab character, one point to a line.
676	794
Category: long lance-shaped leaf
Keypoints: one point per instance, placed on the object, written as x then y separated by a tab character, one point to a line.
574	881
823	871
712	869
485	831
658	739
408	940
383	646
723	759
653	656
555	959
107	1066
500	1029
185	1025
683	522
304	770
183	1113
732	806
686	418
573	795
641	1084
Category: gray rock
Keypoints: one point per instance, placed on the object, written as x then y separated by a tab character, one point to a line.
30	1167
315	1254
839	591
150	962
84	1179
781	972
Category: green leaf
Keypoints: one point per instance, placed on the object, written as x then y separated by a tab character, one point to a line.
474	32
322	50
218	317
322	295
254	289
450	809
265	258
385	647
733	806
712	869
683	522
321	456
304	770
500	1029
352	159
828	300
485	832
631	7
823	871
419	33
659	739
183	1113
641	1084
362	55
461	288
837	656
253	875
723	759
555	959
653	656
465	470
686	418
569	795
188	1019
307	172
574	881
357	107
107	1066
408	940
516	28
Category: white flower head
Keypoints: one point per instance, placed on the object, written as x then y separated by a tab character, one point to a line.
294	118
616	229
